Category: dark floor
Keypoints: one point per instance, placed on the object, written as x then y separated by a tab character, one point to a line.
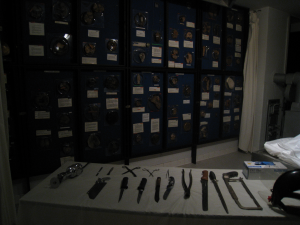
229	161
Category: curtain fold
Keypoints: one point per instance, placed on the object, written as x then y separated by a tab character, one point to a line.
250	86
7	203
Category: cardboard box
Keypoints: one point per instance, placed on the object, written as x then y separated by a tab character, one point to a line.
260	170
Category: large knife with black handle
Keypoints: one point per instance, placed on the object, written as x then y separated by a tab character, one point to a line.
204	180
212	177
157	187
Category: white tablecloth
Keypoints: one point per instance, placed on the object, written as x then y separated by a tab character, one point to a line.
70	204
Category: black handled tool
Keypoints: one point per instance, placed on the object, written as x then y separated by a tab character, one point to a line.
204	180
187	190
157	187
169	187
110	171
99	171
212	177
123	187
130	171
141	188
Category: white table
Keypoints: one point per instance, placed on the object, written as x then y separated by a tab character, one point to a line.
70	204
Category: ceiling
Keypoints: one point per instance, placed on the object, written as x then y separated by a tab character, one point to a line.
290	6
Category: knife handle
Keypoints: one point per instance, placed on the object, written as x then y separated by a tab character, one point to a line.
212	175
231	174
142	184
158	180
204	175
124	183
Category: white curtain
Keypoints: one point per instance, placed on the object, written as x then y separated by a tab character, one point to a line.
250	86
7	203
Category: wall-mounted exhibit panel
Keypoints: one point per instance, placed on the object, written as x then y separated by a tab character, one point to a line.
235	40
51	120
48	31
180	101
147	112
181	36
232	105
147	33
100	32
101	115
211	36
210	107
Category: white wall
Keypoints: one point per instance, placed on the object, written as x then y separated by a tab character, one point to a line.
273	46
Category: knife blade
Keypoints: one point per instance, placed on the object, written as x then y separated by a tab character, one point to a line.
212	177
123	187
110	171
157	187
141	188
204	180
169	187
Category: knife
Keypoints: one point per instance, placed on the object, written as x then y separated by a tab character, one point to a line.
123	187
110	171
204	180
169	187
141	188
212	177
157	187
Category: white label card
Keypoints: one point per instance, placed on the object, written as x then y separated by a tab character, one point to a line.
154	89
65	133
230	25
138	128
185	102
139	44
190	24
205	37
216	104
238	88
64	102
154	125
216	88
238	41
207	115
237	118
89	60
202	103
226	111
188	44
140	33
38	115
173	43
138	90
61	22
237	55
36	50
236	110
226	119
90	126
203	123
155	60
238	27
187	116
171	64
112	57
138	109
156	52
111	93
205	95
92	94
94	33
216	40
172	123
215	64
238	48
173	90
112	103
178	65
227	94
146	117
42	132
36	29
